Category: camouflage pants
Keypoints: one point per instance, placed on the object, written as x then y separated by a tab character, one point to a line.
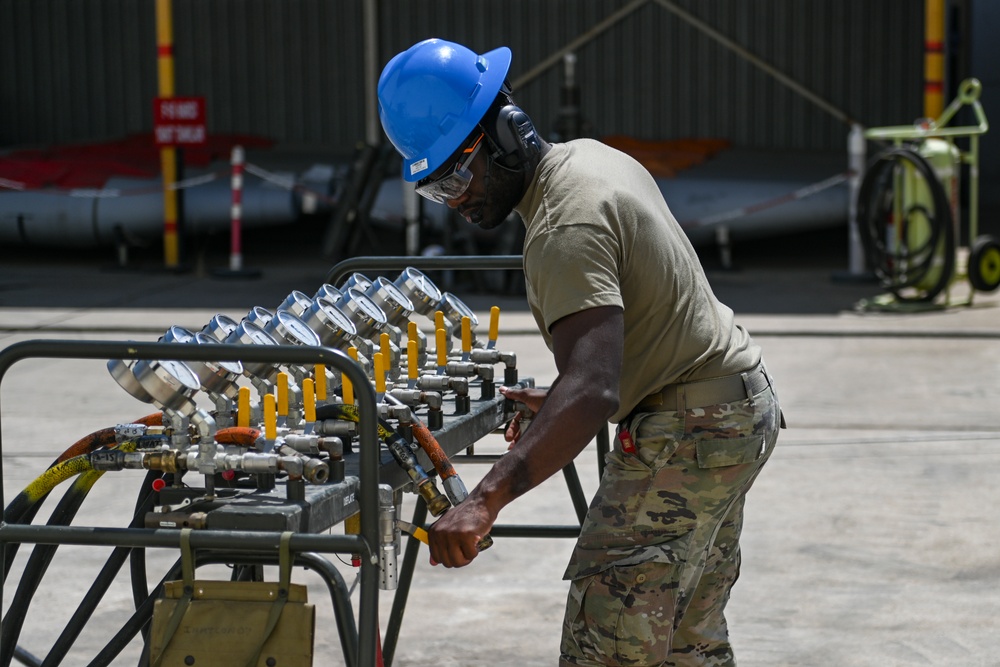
659	550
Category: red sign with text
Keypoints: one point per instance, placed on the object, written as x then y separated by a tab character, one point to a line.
179	121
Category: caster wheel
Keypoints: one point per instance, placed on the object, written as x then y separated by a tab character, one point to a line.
984	264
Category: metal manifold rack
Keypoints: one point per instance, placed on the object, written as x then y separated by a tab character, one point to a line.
248	442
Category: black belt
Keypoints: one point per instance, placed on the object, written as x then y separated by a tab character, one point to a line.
701	393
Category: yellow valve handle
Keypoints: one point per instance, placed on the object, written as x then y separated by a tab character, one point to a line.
442	348
270	418
411	360
379	360
320	374
439	319
282	389
243	408
494	325
385	348
309	400
352	352
466	334
411	332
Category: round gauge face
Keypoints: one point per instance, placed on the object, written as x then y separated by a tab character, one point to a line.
368	307
260	315
297	302
327	291
297	328
394	294
233	367
337	316
176	334
181	373
423	283
220	326
257	335
460	307
358	281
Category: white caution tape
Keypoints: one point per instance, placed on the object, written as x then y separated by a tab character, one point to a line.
801	193
11	185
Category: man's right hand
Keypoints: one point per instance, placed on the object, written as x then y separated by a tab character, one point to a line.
532	399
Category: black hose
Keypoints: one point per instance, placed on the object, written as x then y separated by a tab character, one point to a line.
103	580
902	267
137	557
10	548
34	570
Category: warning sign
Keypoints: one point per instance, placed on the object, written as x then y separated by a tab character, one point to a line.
179	121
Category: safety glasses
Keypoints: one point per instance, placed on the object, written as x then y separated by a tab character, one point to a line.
455	182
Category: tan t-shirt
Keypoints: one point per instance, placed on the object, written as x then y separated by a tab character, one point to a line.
600	234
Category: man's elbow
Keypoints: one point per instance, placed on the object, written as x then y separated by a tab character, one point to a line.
605	402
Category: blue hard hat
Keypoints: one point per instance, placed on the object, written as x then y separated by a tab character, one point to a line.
432	95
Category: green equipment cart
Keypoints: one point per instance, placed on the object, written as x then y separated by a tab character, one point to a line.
910	215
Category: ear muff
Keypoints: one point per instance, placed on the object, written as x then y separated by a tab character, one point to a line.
515	136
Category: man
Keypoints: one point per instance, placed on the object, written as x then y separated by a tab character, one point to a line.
638	339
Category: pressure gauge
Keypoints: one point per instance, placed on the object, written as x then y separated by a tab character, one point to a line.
218	377
122	373
260	316
213	377
330	323
296	302
285	326
396	305
171	383
328	291
455	309
234	367
420	289
219	327
358	281
368	318
176	334
248	333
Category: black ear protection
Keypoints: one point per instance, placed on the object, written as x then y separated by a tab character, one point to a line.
512	132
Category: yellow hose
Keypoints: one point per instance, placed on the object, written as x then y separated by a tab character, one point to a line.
60	472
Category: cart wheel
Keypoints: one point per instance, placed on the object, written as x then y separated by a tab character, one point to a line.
984	264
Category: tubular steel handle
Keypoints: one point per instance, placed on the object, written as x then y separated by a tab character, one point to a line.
464	262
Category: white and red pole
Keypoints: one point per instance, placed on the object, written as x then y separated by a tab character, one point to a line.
235	250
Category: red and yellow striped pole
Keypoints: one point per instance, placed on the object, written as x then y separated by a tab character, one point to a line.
168	154
934	20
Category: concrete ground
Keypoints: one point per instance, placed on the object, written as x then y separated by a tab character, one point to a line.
871	537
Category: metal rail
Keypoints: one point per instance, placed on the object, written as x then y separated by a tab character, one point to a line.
342	269
249	541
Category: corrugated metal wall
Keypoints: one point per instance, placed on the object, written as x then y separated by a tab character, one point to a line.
292	70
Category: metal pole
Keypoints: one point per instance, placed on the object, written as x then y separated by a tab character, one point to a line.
235	243
933	58
373	130
856	165
168	154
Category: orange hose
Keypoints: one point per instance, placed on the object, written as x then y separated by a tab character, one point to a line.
155	419
244	436
433	450
88	443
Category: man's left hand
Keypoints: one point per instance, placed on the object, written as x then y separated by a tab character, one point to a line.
455	536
